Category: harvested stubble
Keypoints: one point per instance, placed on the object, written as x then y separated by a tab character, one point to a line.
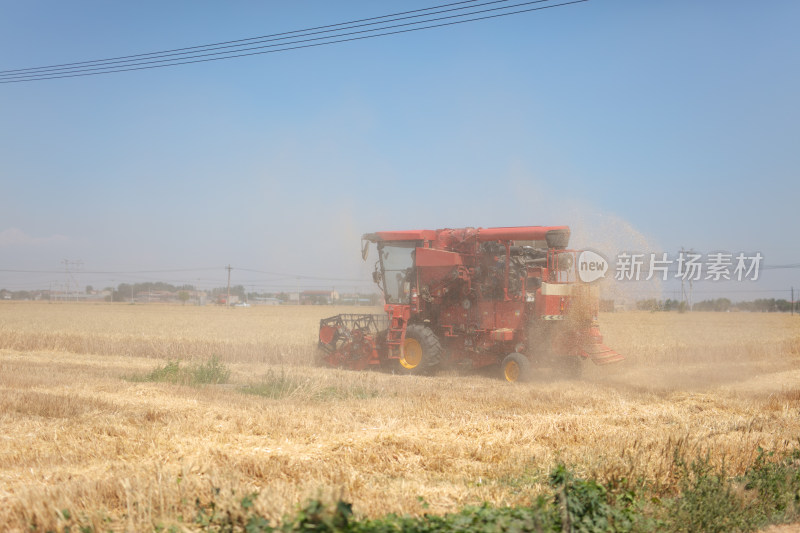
77	436
268	334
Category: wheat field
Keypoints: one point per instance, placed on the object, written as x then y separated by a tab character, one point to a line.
81	432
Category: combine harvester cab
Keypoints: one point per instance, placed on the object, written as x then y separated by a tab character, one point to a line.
473	297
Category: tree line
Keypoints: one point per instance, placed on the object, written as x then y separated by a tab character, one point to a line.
760	305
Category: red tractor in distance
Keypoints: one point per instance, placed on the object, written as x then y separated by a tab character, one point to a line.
474	297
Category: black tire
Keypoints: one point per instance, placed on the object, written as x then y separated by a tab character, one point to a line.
426	354
515	368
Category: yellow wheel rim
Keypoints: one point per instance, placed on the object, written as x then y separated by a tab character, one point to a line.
412	354
511	371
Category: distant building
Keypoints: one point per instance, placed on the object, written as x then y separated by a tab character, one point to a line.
316	297
260	300
359	299
222	299
156	296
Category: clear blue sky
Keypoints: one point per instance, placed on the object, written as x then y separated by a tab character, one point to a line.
644	125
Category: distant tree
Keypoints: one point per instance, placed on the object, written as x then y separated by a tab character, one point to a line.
765	305
239	291
123	293
651	304
89	289
183	296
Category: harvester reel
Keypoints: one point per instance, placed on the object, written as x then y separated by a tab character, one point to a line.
348	340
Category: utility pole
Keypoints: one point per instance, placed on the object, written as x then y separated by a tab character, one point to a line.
79	265
228	300
793	301
683	278
70	280
66	278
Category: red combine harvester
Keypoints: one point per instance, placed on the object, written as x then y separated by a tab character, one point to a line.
475	297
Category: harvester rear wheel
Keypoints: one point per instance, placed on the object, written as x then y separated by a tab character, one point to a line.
422	351
516	368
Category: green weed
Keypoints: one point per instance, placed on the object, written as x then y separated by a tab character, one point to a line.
211	372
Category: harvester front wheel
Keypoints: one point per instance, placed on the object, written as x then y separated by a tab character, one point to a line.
516	368
422	351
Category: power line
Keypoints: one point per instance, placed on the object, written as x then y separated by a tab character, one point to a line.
295	276
271	273
254	40
170	63
280	275
721	291
19	271
768	267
